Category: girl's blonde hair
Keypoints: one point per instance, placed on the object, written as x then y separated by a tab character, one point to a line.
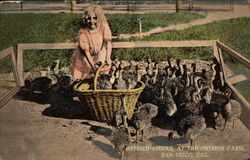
101	19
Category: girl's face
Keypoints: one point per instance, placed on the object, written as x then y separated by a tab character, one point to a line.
91	20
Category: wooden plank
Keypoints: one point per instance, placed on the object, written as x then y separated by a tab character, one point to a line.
237	79
4	99
26	46
5	52
153	44
216	51
10	52
20	68
14	68
224	74
245	105
142	44
234	54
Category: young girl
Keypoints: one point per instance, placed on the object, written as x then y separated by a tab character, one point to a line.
94	45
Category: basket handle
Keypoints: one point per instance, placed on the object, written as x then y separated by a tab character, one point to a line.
97	74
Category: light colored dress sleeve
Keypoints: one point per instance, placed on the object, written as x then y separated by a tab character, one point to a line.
83	40
107	32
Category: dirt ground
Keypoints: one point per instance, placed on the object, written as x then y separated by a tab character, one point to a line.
34	130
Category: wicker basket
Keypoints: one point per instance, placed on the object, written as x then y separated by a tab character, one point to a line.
103	103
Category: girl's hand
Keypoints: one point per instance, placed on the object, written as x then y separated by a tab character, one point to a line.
108	61
98	64
94	68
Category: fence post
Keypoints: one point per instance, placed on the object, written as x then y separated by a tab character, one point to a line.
190	6
231	5
178	5
72	5
128	1
21	5
140	26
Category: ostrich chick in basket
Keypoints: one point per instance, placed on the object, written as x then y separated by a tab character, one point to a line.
142	118
119	83
104	83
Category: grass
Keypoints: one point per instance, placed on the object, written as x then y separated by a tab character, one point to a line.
63	27
37	28
128	23
234	33
5	65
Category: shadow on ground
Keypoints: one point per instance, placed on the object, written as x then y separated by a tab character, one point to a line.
107	133
60	105
104	131
107	149
163	141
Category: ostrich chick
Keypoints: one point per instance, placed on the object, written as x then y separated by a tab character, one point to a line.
120	116
190	127
218	121
153	109
120	139
104	82
42	84
119	83
55	66
142	119
169	105
231	111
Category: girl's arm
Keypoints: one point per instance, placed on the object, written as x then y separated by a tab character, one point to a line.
109	50
84	46
89	58
108	44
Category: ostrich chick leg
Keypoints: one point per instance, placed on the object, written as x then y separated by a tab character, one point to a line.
142	138
136	136
234	125
224	127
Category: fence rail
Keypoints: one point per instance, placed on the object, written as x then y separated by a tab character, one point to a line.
236	55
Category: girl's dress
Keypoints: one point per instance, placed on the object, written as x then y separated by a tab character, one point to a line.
94	42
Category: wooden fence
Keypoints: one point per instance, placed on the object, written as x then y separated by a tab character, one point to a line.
236	95
218	48
148	44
